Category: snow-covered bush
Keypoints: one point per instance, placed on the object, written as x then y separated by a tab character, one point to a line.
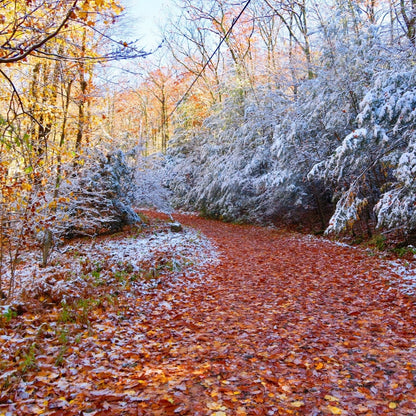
321	113
222	168
150	179
344	137
374	165
96	197
396	208
250	159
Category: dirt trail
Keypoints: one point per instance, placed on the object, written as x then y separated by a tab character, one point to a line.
284	324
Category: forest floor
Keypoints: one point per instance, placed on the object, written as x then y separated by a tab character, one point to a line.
269	323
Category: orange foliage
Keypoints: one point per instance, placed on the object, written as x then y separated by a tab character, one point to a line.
283	325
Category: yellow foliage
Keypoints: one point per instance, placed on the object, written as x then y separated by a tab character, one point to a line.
331	398
335	410
26	186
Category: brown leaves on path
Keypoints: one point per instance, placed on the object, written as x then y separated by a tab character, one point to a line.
284	324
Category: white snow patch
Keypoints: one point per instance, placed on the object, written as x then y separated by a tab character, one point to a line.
407	273
185	251
321	240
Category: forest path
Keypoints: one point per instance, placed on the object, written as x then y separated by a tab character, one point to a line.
288	324
282	324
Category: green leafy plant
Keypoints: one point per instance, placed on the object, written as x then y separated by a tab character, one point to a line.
378	241
29	359
66	315
95	274
63	336
404	251
9	315
121	276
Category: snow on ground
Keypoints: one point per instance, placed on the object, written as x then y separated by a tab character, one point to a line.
143	259
148	272
406	272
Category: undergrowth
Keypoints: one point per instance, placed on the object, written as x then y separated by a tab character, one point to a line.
64	319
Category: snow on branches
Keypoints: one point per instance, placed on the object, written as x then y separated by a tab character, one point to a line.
98	196
375	164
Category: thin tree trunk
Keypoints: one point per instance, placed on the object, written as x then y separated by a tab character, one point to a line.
62	140
82	99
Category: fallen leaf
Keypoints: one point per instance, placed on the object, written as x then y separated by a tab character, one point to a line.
331	398
362	409
205	342
216	406
335	410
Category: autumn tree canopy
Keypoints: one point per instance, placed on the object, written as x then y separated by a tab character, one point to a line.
49	55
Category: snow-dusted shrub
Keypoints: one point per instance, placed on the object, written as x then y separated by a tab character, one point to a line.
249	160
314	121
150	179
396	208
373	165
273	156
221	169
96	197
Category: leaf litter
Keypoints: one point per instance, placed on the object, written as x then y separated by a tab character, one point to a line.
261	322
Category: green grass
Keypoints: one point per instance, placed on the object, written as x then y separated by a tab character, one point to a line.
404	251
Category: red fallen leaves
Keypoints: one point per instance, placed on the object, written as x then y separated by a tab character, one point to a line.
283	325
